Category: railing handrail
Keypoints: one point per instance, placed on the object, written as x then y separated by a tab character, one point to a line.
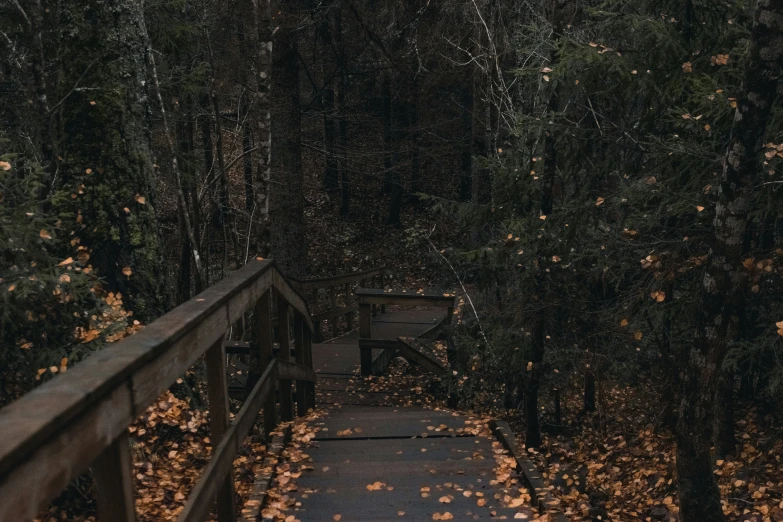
56	431
315	283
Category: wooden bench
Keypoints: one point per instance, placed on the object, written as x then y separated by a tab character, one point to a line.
369	297
80	419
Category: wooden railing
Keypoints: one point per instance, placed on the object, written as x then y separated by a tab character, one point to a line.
332	298
369	298
80	419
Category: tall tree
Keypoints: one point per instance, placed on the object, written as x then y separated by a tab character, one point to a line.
287	199
107	159
722	286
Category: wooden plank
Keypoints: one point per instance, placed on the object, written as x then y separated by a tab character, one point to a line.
28	422
112	472
379	296
51	467
414	355
257	397
327	282
217	392
383	360
365	331
251	512
292	371
336	312
200	501
283	356
35	427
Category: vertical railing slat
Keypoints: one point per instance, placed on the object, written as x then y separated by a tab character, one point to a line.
217	391
264	353
365	325
299	348
114	482
284	354
333	308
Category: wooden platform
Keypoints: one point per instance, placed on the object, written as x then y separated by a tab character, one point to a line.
413	472
379	456
340	357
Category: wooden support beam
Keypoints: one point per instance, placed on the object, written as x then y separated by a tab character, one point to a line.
114	482
263	311
349	305
382	286
217	391
310	386
333	306
365	331
433	298
284	355
299	349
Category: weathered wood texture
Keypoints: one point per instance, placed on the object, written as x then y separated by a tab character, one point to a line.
55	432
369	298
393	446
339	302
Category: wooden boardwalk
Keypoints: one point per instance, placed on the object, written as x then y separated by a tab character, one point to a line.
374	457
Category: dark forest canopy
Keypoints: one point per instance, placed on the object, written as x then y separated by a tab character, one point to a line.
603	177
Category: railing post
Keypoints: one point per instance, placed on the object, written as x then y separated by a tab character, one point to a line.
114	482
316	324
299	347
263	354
374	284
308	345
284	354
382	287
217	391
365	332
333	308
349	315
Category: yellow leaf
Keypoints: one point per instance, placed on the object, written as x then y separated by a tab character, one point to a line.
599	202
127	271
687	67
44	234
624	323
638	335
337	516
65	278
699	208
141	200
4	165
65	262
12	288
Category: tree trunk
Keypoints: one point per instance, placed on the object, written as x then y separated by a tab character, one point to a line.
342	100
721	288
535	370
287	201
106	147
466	159
261	120
724	438
589	393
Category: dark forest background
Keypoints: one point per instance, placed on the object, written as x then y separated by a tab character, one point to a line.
602	177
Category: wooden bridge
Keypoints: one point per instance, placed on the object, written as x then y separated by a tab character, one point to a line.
385	470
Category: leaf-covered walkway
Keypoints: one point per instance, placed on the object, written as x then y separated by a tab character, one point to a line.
376	450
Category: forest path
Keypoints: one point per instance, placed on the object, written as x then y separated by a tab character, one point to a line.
375	451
